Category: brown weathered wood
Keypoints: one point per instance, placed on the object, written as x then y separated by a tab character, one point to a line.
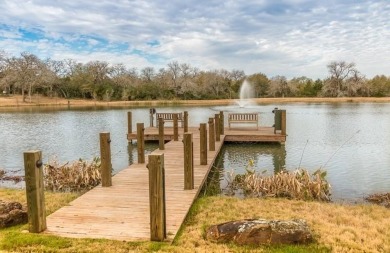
188	162
203	144
157	197
129	126
211	134
35	191
161	140
245	118
235	134
105	156
168	117
129	123
284	126
152	111
175	128
217	130
185	121
141	142
221	123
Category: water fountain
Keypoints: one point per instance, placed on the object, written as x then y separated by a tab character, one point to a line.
246	94
245	102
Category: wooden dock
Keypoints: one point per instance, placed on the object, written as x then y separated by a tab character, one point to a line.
261	134
121	211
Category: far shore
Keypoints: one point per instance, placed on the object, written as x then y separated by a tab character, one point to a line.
36	100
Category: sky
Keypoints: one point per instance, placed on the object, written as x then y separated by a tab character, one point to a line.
290	38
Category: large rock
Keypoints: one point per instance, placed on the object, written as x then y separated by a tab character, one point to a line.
11	214
261	232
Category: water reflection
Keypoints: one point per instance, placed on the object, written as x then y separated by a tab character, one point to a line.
265	156
236	158
133	153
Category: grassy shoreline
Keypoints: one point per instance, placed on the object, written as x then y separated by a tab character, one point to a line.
336	227
16	101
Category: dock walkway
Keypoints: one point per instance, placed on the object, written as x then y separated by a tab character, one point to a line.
121	212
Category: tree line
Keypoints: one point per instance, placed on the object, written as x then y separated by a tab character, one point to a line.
27	74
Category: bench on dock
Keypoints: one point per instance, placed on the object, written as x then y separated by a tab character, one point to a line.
240	118
168	117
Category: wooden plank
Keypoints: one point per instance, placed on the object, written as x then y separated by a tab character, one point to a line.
188	162
161	140
185	121
203	144
129	123
140	142
217	130
105	158
283	123
34	191
157	198
175	128
211	135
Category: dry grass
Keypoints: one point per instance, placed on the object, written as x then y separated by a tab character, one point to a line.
382	199
53	200
298	184
343	228
336	227
15	101
78	175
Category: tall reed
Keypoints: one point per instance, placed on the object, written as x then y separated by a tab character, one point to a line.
75	176
298	184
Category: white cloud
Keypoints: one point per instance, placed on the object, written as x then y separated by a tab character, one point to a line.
288	37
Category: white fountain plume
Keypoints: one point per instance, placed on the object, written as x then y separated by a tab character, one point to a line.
246	93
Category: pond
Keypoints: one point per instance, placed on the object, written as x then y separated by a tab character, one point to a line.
351	141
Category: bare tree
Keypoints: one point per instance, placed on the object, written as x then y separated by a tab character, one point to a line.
25	73
279	86
148	74
174	70
187	78
336	85
3	67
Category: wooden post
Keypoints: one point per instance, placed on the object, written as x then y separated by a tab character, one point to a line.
222	123
150	118
188	162
141	142
157	197
217	131
35	191
185	121
203	144
283	122
129	125
211	135
105	156
175	128
161	133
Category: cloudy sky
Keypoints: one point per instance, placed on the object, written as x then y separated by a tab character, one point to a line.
281	37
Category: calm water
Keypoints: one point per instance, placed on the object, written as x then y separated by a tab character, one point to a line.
351	141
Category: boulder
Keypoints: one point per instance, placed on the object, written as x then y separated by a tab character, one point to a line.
261	231
11	214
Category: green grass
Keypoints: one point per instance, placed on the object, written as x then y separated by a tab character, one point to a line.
13	239
335	227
